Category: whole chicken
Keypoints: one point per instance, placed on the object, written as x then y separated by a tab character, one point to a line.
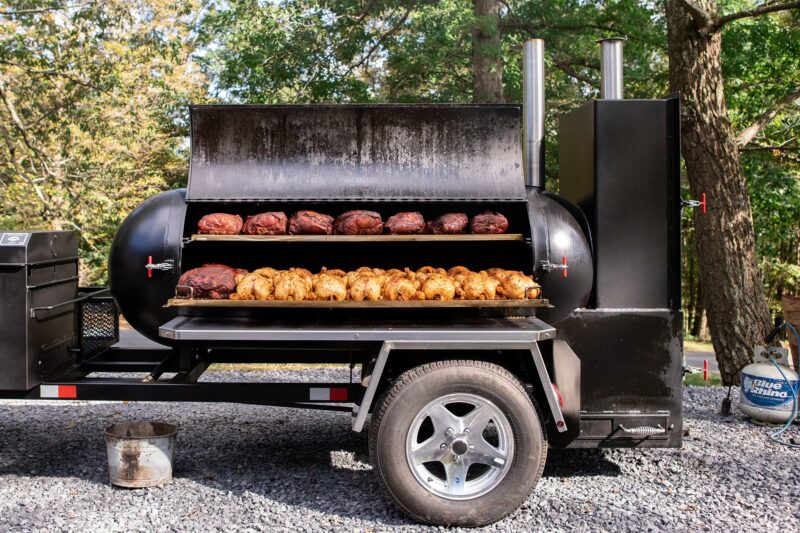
267	272
334	272
355	274
252	287
518	286
292	286
458	271
439	287
365	287
399	287
329	288
475	286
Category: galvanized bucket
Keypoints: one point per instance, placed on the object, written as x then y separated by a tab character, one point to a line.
140	453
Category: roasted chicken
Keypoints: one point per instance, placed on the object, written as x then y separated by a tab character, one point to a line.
329	288
292	286
399	288
439	287
252	287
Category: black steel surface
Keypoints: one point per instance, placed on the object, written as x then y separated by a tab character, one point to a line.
556	235
355	152
631	361
37	269
154	229
619	162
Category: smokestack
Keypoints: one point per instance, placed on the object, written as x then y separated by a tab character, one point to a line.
611	85
533	112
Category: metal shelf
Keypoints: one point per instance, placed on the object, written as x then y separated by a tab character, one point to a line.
355	238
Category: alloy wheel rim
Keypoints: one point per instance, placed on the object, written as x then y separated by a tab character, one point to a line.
460	446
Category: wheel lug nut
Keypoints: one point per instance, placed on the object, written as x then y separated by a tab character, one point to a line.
472	447
449	431
443	446
466	431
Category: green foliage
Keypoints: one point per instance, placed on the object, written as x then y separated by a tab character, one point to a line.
92	104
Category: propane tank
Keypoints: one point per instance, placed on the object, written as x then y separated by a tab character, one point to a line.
766	395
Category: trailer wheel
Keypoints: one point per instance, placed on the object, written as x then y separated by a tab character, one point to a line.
457	443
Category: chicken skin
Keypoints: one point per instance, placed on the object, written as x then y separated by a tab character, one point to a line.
328	287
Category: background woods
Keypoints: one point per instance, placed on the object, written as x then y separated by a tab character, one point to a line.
93	100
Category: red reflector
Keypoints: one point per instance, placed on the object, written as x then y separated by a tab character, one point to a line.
149	262
338	394
560	424
558	395
705	369
564	262
703	203
67	391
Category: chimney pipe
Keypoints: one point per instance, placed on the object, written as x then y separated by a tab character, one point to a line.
611	84
533	112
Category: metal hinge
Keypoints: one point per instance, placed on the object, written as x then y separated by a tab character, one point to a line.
167	266
547	266
701	203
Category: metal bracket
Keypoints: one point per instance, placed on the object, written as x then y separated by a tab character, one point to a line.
362	410
547	387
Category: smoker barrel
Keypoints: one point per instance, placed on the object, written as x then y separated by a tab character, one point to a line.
433	159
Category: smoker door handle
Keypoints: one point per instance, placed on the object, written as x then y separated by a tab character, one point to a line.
68	302
645	431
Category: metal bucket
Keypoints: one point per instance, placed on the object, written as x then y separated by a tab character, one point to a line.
140	453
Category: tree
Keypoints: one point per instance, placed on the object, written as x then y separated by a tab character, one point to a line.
93	101
487	60
737	310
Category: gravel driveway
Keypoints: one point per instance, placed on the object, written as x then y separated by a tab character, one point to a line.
241	467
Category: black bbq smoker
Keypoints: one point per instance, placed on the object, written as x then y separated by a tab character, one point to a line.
462	398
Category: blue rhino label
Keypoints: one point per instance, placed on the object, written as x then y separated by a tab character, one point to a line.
767	392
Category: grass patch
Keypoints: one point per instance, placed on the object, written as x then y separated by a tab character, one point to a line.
714	380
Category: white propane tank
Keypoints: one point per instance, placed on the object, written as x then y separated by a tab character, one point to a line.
765	395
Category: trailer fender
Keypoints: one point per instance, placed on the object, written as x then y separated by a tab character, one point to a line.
361	410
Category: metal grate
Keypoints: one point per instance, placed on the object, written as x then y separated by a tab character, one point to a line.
98	324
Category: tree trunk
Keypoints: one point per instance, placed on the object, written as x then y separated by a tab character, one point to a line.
487	57
734	295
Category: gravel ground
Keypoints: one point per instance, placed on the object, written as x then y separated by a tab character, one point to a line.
241	467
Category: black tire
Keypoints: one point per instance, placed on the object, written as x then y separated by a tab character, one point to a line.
395	412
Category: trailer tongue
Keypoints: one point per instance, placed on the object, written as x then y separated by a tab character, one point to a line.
466	390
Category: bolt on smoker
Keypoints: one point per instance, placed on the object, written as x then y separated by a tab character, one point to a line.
465	397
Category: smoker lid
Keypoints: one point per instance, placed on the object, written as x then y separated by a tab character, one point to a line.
356	152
